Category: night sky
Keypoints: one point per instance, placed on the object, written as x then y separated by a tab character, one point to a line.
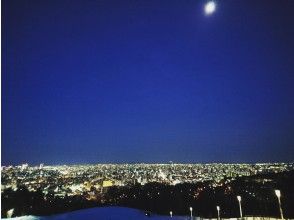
88	81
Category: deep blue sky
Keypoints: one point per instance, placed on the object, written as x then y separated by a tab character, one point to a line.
87	81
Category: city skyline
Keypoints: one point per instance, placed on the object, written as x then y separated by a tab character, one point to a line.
147	81
152	188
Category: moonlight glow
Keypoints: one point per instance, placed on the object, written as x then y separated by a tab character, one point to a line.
209	7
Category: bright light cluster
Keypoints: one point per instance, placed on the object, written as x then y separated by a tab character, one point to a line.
210	7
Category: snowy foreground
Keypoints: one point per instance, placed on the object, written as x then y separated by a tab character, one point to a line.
113	213
104	213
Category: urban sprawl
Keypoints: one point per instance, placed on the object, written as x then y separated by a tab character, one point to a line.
65	180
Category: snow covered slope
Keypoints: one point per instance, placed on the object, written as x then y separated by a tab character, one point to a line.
105	213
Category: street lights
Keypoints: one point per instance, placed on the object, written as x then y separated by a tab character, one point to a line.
191	211
171	214
218	208
240	207
278	194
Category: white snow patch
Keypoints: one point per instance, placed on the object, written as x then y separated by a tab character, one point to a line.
104	213
27	217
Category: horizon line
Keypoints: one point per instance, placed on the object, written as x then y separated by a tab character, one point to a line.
147	163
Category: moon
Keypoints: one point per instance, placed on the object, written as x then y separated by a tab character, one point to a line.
209	7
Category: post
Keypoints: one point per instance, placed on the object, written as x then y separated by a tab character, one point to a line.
278	194
218	208
191	210
171	214
240	207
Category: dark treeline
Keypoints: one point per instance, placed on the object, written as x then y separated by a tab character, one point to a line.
258	197
257	192
25	202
